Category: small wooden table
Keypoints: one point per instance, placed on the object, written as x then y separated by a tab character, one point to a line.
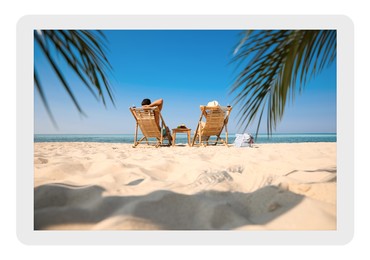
182	131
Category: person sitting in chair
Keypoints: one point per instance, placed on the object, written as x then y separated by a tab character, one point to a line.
158	103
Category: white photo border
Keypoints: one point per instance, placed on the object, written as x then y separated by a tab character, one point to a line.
345	130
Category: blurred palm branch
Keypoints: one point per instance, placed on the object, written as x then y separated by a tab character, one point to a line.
84	52
275	65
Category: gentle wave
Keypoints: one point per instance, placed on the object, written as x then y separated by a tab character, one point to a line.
181	139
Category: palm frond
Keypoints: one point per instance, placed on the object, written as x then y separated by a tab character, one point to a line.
84	52
277	64
43	98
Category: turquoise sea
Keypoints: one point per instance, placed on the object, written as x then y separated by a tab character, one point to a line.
180	138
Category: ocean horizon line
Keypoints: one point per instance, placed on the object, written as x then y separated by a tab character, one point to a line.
182	139
252	133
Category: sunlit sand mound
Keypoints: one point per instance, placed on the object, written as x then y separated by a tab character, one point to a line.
113	186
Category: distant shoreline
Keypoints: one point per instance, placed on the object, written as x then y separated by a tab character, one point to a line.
129	138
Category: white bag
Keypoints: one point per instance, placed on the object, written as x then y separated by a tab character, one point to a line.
243	140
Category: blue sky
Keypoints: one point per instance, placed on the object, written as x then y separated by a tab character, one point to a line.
187	68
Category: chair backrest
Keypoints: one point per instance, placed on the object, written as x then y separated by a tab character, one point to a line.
146	119
216	118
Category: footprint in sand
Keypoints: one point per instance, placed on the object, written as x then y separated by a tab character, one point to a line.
41	161
207	178
236	169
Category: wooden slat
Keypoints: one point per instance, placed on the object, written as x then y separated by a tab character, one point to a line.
146	121
216	120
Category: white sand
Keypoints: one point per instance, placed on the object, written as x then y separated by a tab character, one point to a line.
115	186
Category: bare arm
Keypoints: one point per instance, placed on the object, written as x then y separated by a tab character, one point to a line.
158	103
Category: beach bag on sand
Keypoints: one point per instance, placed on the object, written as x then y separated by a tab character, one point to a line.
243	140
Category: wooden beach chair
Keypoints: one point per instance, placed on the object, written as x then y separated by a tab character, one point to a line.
152	132
216	119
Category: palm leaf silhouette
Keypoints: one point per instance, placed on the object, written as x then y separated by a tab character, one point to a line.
83	51
277	64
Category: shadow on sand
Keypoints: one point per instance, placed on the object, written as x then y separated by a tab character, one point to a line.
61	204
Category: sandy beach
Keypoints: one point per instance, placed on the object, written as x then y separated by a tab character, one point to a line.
105	186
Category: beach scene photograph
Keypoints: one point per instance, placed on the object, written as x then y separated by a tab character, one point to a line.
154	129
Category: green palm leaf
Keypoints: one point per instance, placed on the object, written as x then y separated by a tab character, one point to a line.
276	64
84	52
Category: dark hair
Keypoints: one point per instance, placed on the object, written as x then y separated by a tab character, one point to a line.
146	101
